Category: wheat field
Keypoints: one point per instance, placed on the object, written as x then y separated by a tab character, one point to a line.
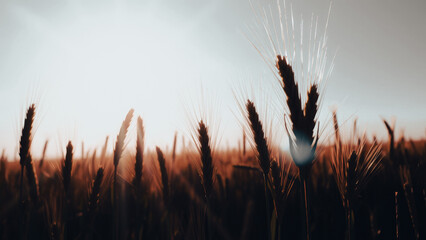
326	183
349	189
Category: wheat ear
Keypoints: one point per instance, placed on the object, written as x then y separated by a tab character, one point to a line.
67	167
206	159
140	145
25	144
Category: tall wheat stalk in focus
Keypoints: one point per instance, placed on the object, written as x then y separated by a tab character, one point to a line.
303	143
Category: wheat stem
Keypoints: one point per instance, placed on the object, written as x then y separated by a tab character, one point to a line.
118	151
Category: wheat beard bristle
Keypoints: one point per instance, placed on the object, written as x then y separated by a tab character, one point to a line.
206	159
259	137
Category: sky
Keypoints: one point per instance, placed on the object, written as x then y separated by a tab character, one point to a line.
86	63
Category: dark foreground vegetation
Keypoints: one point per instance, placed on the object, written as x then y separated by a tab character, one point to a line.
350	189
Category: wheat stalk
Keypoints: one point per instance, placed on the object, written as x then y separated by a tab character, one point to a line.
164	175
43	155
302	146
119	144
140	145
263	153
207	170
32	180
93	161
25	144
282	184
391	140
165	183
352	170
404	175
67	167
118	151
26	138
206	159
174	148
94	195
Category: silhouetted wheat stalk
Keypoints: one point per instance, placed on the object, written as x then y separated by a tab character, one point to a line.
206	170
93	202
119	144
282	184
67	168
66	180
93	167
43	155
164	175
94	194
174	148
353	169
302	146
118	151
263	153
137	179
404	174
140	145
25	144
165	187
32	180
172	167
26	164
206	159
391	140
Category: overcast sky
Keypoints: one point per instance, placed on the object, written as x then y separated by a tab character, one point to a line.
86	63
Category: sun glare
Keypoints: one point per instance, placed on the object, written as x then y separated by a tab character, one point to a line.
102	62
89	63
